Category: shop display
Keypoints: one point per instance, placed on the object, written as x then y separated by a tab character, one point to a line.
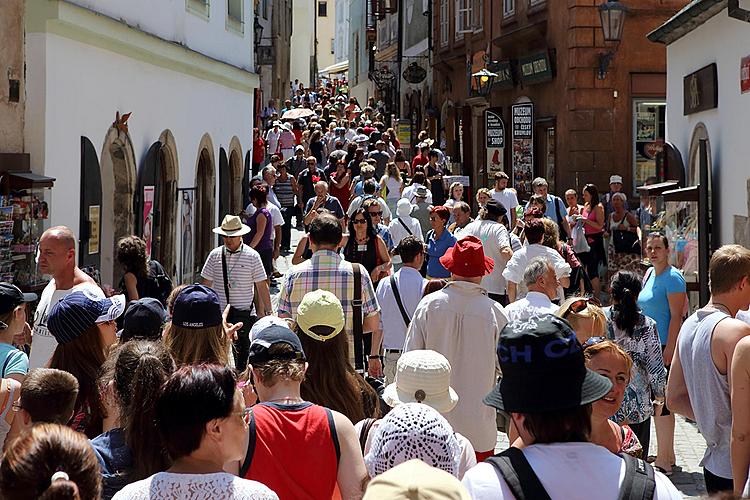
24	216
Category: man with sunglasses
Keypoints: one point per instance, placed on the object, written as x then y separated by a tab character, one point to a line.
542	283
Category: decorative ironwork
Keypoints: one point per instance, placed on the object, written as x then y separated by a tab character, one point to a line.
414	73
383	77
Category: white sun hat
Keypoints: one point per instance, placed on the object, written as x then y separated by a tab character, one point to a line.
422	376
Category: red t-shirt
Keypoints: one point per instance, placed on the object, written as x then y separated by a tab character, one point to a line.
259	152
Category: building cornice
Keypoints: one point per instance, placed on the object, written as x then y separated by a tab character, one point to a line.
686	20
74	22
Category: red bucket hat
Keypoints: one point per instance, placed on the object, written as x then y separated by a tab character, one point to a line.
467	259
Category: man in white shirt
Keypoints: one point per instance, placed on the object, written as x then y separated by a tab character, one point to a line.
396	313
272	139
505	195
235	272
418	180
546	385
268	175
494	237
57	258
534	231
402	226
542	284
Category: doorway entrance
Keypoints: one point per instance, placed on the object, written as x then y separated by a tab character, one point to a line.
89	247
204	208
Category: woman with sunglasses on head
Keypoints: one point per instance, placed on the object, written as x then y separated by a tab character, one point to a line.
362	245
203	423
84	326
636	334
585	316
609	360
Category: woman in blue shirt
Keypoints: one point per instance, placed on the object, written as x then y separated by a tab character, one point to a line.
663	299
439	240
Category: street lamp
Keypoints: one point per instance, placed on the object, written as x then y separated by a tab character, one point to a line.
612	17
483	80
257	31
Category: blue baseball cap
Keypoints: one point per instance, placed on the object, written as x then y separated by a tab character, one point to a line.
270	336
143	319
196	306
80	310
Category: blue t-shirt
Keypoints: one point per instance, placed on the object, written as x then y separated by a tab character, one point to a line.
653	299
115	461
12	361
435	250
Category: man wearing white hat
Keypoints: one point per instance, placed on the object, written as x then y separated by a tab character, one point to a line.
615	186
272	139
235	272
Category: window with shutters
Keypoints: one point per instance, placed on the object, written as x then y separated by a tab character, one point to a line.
444	25
200	8
235	16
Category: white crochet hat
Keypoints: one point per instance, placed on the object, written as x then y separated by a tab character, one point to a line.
410	431
422	376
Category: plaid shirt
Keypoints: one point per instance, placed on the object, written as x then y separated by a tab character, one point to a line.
326	270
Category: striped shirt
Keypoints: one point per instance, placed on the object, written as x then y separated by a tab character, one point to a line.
244	269
284	192
326	270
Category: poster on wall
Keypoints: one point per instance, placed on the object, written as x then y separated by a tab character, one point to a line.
94	220
187	202
404	134
523	147
495	142
148	217
745	74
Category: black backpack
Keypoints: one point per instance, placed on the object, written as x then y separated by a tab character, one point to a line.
638	484
158	284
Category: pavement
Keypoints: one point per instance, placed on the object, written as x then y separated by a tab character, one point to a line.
687	475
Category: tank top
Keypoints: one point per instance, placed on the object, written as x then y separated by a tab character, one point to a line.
265	242
613	224
366	255
393	185
7	395
587	229
293	449
708	389
284	192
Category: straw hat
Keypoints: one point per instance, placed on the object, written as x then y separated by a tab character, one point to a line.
422	376
232	226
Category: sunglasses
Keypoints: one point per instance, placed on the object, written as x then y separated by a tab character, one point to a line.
359	221
593	341
245	414
376	213
576	307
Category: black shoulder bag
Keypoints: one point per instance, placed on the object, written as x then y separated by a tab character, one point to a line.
399	303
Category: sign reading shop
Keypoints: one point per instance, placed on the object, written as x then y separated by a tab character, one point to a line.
495	130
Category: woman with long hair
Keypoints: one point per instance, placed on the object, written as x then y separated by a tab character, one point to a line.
203	423
341	185
585	316
579	282
133	450
609	360
261	235
131	255
393	184
330	379
592	220
403	166
50	461
84	326
363	246
636	334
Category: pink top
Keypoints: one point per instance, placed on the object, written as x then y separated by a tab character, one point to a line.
587	228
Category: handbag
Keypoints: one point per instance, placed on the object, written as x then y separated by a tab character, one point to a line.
626	242
580	245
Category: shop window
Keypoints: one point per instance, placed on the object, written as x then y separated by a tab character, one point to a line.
235	16
443	23
322	9
200	8
648	133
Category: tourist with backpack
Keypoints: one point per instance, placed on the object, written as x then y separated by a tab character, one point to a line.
554	207
553	418
143	277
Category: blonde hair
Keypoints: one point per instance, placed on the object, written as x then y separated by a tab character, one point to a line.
551	233
393	171
193	346
729	264
275	370
592	312
609	346
483	191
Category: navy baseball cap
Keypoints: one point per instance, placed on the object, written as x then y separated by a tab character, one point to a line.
196	306
143	319
11	297
270	336
80	310
543	368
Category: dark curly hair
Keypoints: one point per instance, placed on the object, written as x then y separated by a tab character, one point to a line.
131	254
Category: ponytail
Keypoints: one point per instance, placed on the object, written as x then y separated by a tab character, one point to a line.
625	288
61	488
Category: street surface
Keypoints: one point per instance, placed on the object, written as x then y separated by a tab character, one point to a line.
689	444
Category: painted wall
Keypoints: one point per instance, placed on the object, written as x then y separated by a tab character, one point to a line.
341	45
11	62
326	35
302	42
171	20
727	125
77	88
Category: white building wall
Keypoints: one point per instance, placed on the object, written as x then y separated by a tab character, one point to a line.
326	33
171	21
303	41
724	41
341	45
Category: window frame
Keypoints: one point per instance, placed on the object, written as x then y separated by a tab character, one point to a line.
324	4
509	8
232	23
477	16
444	24
199	8
464	9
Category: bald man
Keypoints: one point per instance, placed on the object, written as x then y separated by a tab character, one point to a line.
57	258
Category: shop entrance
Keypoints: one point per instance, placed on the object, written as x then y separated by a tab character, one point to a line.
205	220
89	246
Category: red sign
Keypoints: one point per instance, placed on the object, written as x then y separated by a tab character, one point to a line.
653	148
745	75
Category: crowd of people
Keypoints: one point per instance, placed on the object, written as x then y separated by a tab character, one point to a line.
409	331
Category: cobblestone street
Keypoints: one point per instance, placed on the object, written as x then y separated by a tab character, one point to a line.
689	444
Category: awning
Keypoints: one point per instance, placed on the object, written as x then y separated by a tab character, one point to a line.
341	67
29	180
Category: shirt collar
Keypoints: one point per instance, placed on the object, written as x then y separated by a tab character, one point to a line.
538	298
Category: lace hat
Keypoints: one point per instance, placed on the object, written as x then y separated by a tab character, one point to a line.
410	431
415	480
422	376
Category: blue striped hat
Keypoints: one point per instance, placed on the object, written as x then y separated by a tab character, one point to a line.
78	311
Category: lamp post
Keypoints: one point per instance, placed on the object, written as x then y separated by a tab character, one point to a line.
257	31
612	17
483	80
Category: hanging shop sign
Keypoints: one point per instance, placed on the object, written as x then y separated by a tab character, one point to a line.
700	90
504	71
745	75
414	73
536	68
495	140
523	147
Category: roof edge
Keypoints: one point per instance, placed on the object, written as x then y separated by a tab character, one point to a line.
686	20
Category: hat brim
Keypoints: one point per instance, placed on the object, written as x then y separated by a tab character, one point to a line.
443	403
594	388
230	234
115	309
30	297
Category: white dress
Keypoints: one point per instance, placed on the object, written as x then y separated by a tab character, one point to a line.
215	486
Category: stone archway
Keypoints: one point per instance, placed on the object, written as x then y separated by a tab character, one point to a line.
170	169
693	167
235	169
205	198
118	169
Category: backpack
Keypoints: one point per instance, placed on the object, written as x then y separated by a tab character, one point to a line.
638	484
158	284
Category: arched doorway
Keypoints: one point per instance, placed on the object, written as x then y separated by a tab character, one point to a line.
236	203
118	169
89	247
157	179
205	182
225	186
